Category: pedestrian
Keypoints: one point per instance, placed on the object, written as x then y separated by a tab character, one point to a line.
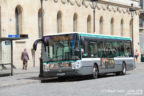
25	58
136	55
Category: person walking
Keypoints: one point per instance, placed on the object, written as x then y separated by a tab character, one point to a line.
25	58
136	55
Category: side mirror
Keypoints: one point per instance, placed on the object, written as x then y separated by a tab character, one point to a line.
35	44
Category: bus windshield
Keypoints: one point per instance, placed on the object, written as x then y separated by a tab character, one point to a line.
61	48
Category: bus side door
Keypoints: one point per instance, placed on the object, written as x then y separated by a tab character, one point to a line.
108	56
94	53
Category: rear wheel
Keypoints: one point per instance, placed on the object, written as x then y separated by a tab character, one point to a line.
94	72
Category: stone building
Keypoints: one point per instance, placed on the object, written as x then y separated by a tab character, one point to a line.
141	26
24	17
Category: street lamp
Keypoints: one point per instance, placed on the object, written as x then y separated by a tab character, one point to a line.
94	3
42	14
42	32
132	9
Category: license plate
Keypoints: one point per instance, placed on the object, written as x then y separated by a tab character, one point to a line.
60	74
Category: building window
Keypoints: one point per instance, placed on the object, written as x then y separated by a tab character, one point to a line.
130	34
59	22
89	24
122	29
39	23
75	20
141	4
140	21
18	19
101	25
112	27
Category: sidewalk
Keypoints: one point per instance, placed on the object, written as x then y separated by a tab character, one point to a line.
139	67
21	77
29	70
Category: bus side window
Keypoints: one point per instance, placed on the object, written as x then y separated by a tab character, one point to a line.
121	49
108	47
84	49
128	49
115	47
100	48
93	49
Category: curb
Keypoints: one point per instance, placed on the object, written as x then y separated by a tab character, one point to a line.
17	73
24	82
19	83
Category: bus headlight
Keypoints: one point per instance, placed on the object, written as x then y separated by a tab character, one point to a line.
76	65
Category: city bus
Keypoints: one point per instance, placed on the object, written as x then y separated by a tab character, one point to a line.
83	54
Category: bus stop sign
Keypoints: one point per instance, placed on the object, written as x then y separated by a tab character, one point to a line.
13	36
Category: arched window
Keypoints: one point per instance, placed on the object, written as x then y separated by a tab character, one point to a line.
101	25
59	22
39	23
89	24
140	21
112	27
75	20
130	33
18	19
122	29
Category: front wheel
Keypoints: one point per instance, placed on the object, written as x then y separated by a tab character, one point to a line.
94	72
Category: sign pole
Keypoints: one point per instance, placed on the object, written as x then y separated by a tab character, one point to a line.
11	58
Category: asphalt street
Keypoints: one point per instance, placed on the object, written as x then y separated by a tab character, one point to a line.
131	84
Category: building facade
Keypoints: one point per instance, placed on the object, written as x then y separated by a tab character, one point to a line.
141	26
112	17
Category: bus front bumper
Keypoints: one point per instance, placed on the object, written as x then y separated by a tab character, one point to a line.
64	72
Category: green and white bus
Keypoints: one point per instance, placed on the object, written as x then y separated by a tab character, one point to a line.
75	54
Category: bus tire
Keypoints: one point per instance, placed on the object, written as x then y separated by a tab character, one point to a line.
94	72
123	69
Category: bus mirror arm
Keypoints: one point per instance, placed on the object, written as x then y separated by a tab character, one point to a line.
35	44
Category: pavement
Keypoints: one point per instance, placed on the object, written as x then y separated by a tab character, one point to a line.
28	71
22	77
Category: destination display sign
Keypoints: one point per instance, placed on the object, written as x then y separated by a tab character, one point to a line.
59	38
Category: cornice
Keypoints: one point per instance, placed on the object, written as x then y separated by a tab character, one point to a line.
99	6
122	2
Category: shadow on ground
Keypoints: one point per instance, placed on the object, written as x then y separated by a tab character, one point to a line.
72	79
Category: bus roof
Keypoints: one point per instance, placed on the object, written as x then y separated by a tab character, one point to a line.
92	35
105	36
